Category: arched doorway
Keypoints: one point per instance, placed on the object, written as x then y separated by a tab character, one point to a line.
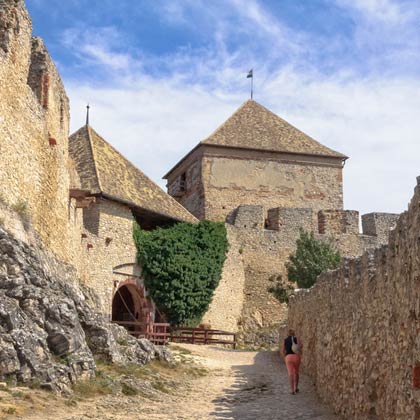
130	307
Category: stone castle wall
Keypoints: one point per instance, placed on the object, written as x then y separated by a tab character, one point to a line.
36	172
265	246
187	188
226	307
212	183
34	123
360	328
270	183
109	249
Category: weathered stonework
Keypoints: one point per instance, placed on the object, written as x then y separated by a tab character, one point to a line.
49	333
216	181
226	308
229	182
109	249
377	224
360	328
264	252
34	118
268	180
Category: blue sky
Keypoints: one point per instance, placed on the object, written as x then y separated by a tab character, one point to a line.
161	75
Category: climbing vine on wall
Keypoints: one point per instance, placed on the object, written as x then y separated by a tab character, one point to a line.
182	266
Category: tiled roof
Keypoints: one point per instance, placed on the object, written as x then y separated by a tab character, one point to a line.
102	169
253	126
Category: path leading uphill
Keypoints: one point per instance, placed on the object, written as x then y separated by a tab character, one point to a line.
239	385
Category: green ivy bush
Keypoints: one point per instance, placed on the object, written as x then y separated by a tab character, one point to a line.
182	266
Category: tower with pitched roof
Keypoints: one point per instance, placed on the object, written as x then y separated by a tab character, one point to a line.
257	158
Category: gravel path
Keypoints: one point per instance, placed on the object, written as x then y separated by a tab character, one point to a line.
241	385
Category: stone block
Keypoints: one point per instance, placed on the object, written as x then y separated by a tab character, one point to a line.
289	220
249	217
379	225
332	222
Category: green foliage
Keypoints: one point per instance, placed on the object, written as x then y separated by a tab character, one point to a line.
21	207
312	257
279	289
182	266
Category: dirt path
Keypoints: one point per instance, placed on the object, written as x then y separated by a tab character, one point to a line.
240	385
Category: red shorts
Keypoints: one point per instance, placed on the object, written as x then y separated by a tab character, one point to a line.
292	364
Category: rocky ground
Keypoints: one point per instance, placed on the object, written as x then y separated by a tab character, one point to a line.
209	383
49	333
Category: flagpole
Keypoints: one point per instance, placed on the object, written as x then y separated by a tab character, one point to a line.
251	75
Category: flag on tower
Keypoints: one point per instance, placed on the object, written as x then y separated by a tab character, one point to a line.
250	74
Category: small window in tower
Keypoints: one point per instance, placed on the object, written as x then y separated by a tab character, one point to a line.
183	182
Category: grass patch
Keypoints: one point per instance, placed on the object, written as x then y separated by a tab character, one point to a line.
155	376
18	394
21	208
129	390
180	350
35	384
122	342
101	384
115	370
9	410
160	386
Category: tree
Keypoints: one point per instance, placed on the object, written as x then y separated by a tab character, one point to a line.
182	266
312	257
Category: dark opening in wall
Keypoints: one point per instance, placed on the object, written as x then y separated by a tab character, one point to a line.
61	113
183	182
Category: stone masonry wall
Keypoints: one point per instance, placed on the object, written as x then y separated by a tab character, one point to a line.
226	307
108	243
266	251
34	122
378	224
229	183
360	328
187	188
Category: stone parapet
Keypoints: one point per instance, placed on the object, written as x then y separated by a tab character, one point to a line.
379	225
338	222
289	220
249	217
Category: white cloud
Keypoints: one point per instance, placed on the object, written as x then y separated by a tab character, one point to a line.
156	119
96	45
375	122
389	11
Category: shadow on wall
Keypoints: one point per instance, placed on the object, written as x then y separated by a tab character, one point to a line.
261	391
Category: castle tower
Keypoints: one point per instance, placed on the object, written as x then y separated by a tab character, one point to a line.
256	157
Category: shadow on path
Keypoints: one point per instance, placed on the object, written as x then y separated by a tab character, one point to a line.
261	392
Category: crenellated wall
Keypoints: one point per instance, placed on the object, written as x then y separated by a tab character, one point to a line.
360	326
265	242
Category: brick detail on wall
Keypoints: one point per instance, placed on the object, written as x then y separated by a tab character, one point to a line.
338	221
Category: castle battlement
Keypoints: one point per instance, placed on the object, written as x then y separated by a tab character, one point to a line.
288	222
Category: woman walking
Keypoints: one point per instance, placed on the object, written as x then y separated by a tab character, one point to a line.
292	352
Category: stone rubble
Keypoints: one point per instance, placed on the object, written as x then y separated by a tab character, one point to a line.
49	334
